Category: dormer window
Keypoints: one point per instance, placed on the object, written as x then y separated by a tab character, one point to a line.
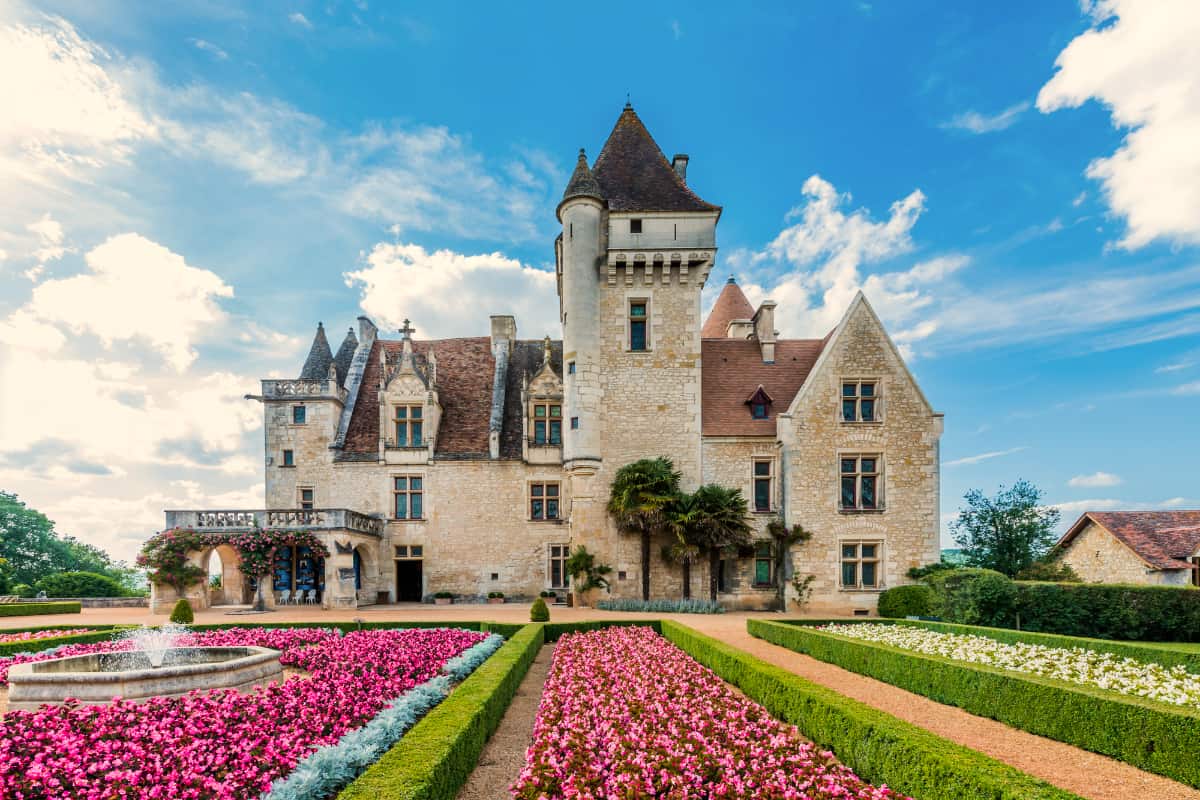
547	423
408	421
760	404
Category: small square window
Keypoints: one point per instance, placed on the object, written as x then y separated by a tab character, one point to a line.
621	575
635	226
495	576
289	458
402	551
416	551
574	423
298	415
307	499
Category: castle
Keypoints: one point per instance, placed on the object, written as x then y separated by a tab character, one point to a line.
473	465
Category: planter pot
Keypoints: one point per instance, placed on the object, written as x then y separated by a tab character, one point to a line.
443	601
495	601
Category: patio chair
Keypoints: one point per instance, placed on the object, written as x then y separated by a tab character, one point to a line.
311	597
284	597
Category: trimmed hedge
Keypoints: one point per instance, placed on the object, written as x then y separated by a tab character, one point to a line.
434	759
1110	611
662	606
1152	736
876	745
102	634
32	609
914	600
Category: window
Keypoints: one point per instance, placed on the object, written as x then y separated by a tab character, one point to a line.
763	480
860	483
557	567
635	226
859	401
408	426
570	367
547	423
289	458
758	410
409	551
760	404
543	501
574	423
1195	570
637	326
723	575
297	415
307	499
860	565
764	563
408	496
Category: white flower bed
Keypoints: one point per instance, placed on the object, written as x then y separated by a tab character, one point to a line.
1173	685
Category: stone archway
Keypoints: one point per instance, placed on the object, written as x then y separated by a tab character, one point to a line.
366	575
232	588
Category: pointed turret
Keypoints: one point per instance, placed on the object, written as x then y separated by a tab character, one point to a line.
731	304
583	182
345	355
316	366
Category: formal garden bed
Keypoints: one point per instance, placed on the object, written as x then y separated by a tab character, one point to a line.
1138	711
356	694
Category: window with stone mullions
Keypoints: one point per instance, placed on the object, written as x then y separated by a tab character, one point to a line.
763	480
860	483
408	495
307	499
860	565
764	563
557	566
547	423
638	319
543	501
408	426
860	401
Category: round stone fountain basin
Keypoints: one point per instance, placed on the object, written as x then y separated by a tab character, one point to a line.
97	678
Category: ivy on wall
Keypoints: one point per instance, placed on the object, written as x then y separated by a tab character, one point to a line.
165	555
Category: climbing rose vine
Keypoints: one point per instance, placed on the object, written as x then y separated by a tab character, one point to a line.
626	714
165	555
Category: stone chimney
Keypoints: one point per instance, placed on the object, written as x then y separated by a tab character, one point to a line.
504	329
504	335
679	164
764	330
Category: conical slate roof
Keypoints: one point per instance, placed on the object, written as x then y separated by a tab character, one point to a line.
583	182
634	175
316	366
731	304
345	355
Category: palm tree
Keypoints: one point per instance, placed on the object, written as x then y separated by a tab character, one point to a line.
682	519
640	494
723	524
782	539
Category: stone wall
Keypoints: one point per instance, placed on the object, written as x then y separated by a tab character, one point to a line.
907	441
1099	557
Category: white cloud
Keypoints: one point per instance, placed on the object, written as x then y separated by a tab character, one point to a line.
1141	61
450	294
299	19
1095	481
209	47
1176	366
676	29
1077	507
49	247
1187	388
983	457
976	122
1079	198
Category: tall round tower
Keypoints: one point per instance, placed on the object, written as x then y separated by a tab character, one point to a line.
581	214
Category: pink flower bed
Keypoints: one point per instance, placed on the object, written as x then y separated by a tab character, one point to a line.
626	714
26	636
219	744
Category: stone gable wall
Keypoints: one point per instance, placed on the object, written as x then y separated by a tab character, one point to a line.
1099	557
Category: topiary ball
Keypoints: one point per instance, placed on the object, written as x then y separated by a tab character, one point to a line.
182	613
538	612
906	601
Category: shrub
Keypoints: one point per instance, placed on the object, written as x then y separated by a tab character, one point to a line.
1152	736
495	595
1110	611
907	601
877	746
547	594
79	584
974	597
23	590
31	609
923	572
1049	571
538	612
444	595
662	606
182	613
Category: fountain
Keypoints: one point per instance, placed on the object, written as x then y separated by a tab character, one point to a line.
154	668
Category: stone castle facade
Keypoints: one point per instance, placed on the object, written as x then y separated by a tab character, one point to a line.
474	465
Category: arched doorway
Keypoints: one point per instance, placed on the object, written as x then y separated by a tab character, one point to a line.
298	576
224	581
358	568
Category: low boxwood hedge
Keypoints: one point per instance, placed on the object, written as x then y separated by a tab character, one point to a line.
1152	736
101	634
31	609
876	745
434	759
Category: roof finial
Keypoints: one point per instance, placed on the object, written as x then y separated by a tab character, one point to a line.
731	279
407	330
546	350
628	102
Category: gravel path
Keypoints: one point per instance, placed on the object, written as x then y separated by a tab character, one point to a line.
504	754
1086	774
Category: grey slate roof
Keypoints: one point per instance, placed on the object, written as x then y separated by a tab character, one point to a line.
345	355
583	183
316	366
525	359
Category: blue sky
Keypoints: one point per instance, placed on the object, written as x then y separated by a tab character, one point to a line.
186	188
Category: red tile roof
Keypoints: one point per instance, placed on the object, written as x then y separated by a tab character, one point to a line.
465	370
732	369
731	304
1162	538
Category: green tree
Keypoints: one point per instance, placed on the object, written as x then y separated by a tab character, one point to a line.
683	518
79	584
723	525
639	497
1008	532
783	538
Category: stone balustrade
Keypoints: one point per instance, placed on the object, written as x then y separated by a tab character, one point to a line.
300	389
300	519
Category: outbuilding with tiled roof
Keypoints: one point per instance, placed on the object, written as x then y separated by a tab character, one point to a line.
1155	547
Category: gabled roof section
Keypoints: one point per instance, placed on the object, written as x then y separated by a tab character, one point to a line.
733	370
634	175
731	304
1163	539
345	354
316	366
526	359
860	305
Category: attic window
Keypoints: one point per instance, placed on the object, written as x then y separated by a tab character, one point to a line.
635	226
760	404
758	410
